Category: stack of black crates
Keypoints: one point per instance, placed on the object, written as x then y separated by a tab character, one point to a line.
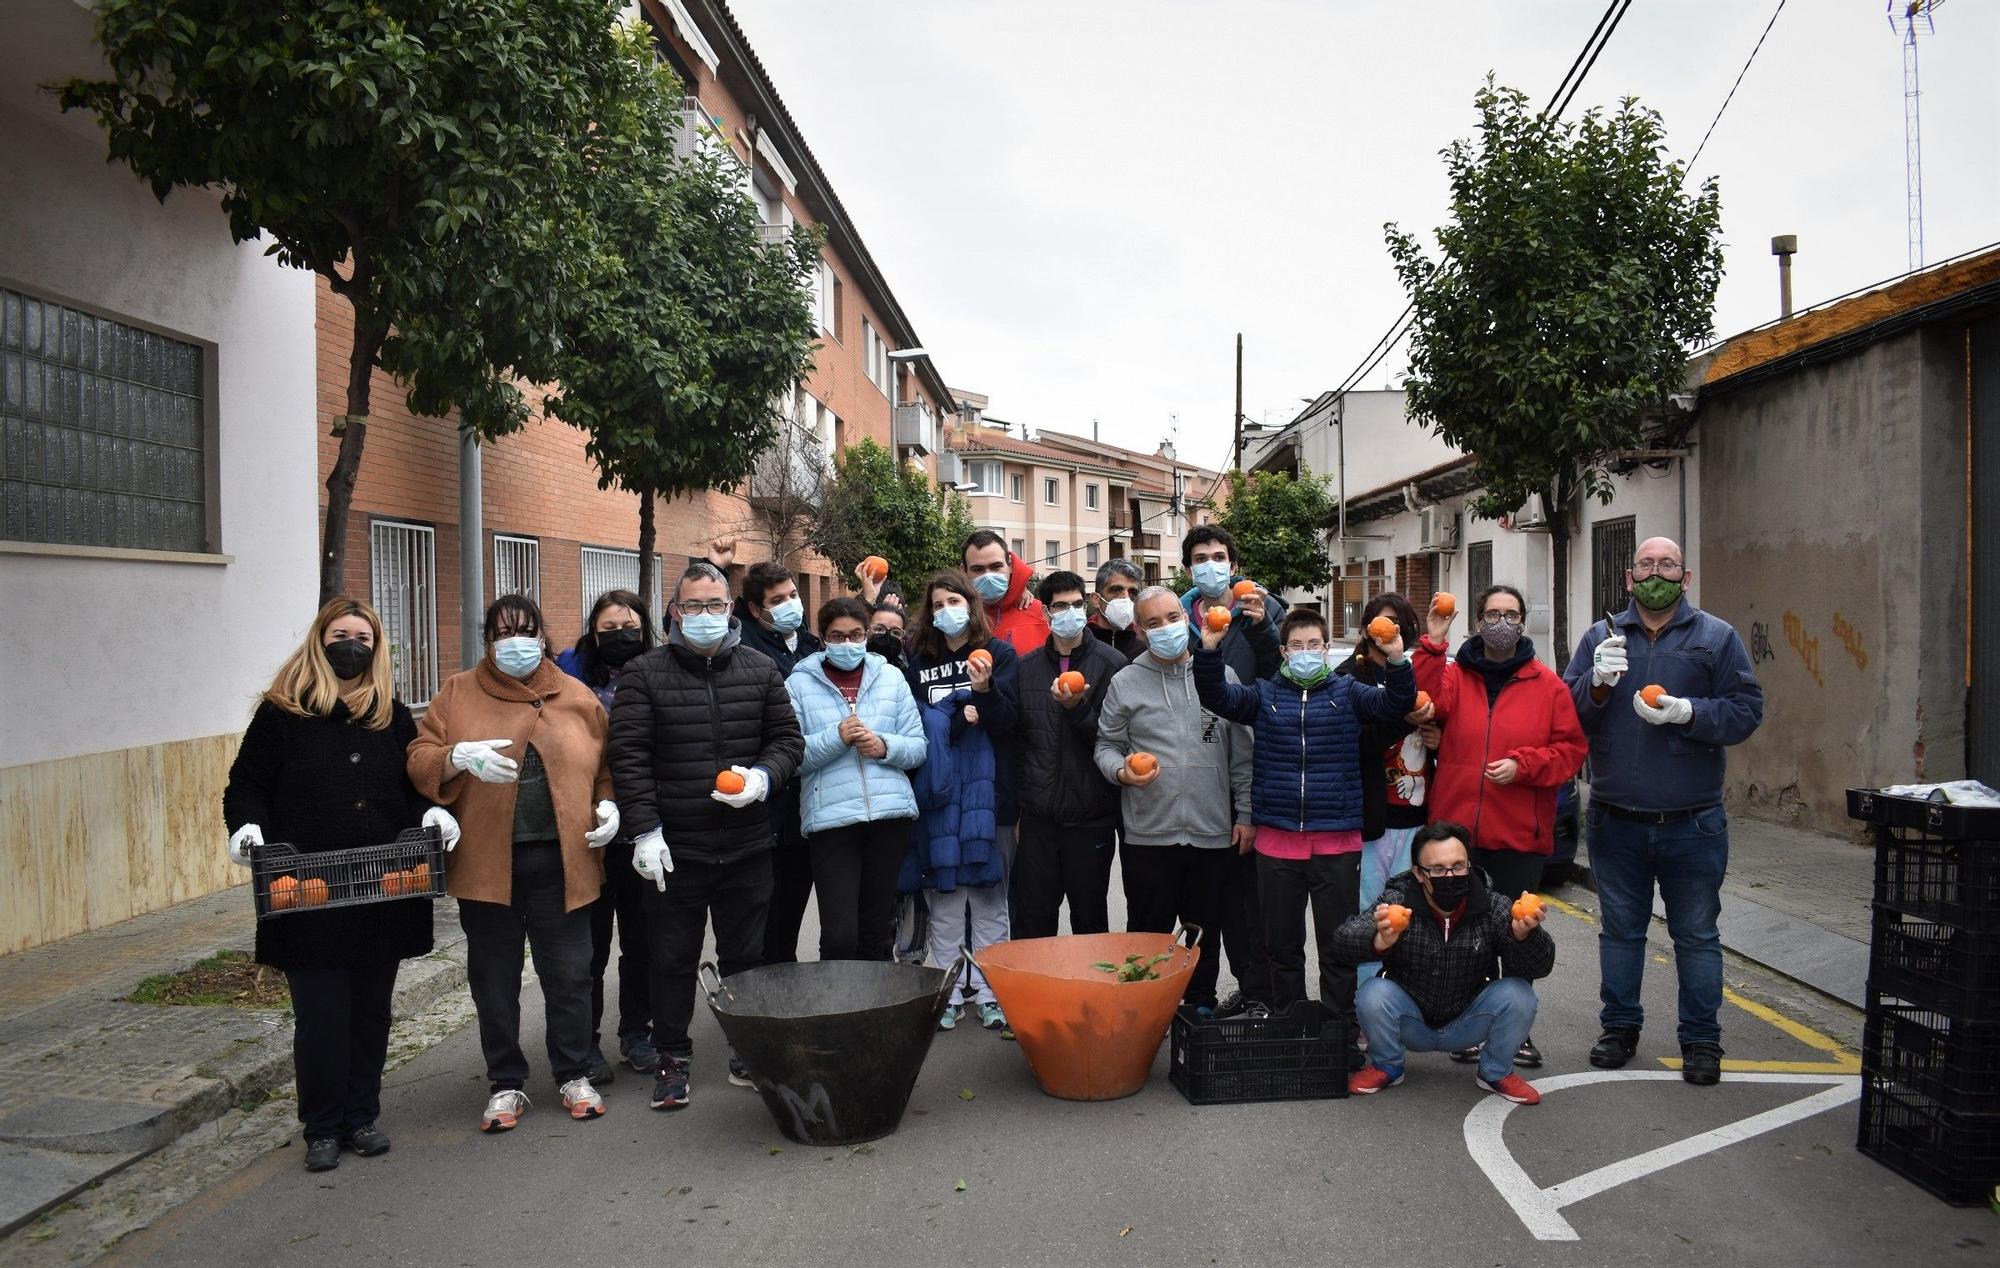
1930	1064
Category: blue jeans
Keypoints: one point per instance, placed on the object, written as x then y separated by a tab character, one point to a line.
1499	1017
1387	855
1687	861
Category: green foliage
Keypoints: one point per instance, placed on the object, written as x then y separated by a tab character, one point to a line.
1280	526
1575	275
1134	969
878	506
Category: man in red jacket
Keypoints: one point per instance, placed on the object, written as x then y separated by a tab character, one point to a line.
1001	577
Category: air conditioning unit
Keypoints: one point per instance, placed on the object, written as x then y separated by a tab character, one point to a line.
1357	554
1437	529
1532	515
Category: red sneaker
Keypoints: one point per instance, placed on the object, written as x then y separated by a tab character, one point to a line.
1514	1088
1371	1078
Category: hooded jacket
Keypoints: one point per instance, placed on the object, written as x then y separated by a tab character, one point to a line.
1205	766
1531	719
1251	650
771	644
680	719
1443	964
954	843
837	785
1024	627
999	710
1058	778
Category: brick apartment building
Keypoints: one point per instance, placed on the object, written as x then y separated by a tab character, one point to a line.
549	530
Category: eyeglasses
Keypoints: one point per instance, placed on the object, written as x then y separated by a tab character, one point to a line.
1067	605
700	607
859	636
879	631
1443	870
1500	618
1314	646
1647	568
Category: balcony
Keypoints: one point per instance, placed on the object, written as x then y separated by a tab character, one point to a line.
697	129
1121	519
792	473
916	428
1145	541
773	235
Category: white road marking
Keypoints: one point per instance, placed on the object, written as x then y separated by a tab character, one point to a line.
1540	1209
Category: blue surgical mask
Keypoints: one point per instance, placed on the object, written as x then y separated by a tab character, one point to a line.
517	657
992	586
1211	577
951	622
1168	642
704	630
1305	666
1068	624
846	655
788	616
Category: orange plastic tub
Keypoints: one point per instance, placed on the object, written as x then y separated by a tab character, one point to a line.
1087	1035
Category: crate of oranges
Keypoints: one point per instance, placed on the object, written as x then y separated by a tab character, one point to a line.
285	879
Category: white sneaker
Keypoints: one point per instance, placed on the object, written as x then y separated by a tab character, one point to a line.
581	1099
504	1110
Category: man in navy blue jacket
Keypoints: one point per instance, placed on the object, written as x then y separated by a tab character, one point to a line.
1656	814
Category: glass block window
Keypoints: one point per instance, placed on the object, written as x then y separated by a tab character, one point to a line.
103	431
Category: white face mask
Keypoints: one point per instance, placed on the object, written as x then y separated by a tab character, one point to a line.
1118	614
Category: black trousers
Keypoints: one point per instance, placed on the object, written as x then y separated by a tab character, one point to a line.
1165	883
736	895
1243	929
560	940
1511	872
791	886
621	901
1331	883
340	1038
854	874
1052	862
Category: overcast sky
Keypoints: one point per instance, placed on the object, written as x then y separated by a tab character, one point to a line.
1079	204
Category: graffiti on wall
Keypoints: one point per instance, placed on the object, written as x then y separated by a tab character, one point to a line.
1760	643
1806	645
1851	639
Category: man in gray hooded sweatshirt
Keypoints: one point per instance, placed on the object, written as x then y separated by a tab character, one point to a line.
1184	817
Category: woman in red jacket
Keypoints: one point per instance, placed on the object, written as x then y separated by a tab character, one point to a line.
1511	739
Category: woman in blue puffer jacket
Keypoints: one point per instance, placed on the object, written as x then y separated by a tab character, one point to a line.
862	734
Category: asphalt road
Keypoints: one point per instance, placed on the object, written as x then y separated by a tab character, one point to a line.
1419	1173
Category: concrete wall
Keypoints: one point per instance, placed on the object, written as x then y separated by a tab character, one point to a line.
1836	547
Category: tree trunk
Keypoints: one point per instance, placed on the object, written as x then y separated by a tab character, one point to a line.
353	432
1559	579
646	554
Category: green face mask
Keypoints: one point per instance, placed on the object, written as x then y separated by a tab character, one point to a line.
1656	594
1307	681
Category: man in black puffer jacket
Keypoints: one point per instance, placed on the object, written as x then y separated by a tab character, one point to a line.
701	708
1069	811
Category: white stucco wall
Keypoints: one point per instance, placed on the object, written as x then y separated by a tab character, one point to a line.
101	654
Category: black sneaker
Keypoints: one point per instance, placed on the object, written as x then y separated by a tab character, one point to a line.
1468	1056
640	1054
1614	1048
323	1153
739	1074
369	1142
1701	1063
1231	1005
1528	1056
601	1070
670	1083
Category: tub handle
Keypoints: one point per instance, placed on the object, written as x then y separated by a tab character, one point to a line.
706	974
1186	929
955	973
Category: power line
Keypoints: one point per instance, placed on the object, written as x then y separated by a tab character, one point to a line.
1620	17
1733	87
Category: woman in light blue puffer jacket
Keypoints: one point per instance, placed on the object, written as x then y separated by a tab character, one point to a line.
862	733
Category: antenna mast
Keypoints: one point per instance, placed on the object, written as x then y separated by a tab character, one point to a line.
1908	19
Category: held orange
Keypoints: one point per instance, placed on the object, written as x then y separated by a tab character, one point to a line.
1072	682
284	893
875	568
1399	917
1243	590
1142	764
729	783
1444	604
1218	618
980	657
313	892
1651	695
1423	700
1527	907
1383	628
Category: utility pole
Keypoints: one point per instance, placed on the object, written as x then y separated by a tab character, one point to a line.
1238	462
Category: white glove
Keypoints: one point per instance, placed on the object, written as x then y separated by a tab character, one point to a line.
483	759
756	787
247	838
652	859
607	825
1608	663
441	819
1410	789
1671	710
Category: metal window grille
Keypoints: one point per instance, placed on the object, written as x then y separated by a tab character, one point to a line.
606	569
517	567
1611	545
403	563
1478	570
105	431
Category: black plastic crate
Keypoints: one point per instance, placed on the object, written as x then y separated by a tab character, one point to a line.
1954	1062
1953	1155
1938	818
346	878
1297	1055
1945	968
1952	882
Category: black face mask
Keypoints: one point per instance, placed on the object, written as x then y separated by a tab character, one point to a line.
350	657
888	646
615	647
1449	891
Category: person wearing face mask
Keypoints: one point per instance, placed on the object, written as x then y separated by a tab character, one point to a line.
517	748
962	848
701	707
1001	579
1308	799
1655	817
1113	620
1069	814
619	629
1510	739
1186	819
321	768
862	737
1455	978
886	633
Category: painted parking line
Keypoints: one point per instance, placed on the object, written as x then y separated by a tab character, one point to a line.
1540	1209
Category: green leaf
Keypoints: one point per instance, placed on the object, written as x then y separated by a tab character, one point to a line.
959	1187
966	1094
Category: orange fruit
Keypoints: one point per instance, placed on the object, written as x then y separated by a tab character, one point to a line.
1423	699
875	568
419	881
1443	604
729	783
1072	682
1142	764
1527	907
1383	628
393	882
1651	695
284	893
980	657
1218	618
1243	590
313	892
1399	917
